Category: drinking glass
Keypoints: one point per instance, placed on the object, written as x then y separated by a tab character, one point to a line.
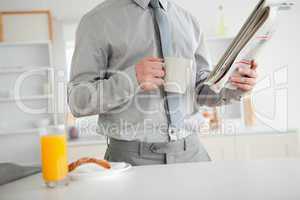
54	155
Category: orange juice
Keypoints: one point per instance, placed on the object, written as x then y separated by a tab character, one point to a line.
54	157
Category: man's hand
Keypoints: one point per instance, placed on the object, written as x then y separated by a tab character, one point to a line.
246	78
150	73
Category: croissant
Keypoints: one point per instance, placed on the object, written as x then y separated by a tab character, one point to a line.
102	163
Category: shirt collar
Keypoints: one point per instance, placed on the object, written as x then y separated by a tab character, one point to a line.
144	3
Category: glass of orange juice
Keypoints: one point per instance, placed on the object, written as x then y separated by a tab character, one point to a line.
54	156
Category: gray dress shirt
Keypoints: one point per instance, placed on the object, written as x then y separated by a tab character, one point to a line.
111	39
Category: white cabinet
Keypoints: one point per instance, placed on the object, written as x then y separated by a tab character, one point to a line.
267	147
253	147
26	87
219	148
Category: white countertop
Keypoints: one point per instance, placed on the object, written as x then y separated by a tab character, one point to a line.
232	180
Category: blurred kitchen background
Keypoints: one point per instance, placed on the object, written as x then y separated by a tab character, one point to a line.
35	54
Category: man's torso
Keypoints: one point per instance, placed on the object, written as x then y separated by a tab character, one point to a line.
130	35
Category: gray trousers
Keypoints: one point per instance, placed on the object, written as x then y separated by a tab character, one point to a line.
137	153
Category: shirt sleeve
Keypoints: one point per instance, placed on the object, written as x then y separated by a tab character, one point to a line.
93	88
204	95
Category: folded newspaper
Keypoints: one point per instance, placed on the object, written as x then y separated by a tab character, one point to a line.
253	36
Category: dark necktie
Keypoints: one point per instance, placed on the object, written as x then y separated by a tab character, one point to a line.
173	102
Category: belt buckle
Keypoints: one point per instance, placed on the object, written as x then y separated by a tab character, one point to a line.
172	134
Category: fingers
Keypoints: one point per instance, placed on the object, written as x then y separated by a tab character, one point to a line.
244	87
149	73
158	73
251	73
152	84
156	69
150	67
243	80
157	65
243	83
246	78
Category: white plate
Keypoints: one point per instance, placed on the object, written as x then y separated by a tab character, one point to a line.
91	171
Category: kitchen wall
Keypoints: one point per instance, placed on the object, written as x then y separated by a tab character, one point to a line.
282	53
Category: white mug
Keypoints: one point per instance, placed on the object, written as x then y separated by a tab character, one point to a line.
178	74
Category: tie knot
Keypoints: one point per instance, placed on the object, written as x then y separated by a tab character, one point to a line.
154	4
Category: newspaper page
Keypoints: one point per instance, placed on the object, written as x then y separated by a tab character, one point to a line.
253	36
